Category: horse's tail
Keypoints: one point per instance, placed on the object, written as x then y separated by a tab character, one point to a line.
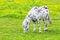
49	20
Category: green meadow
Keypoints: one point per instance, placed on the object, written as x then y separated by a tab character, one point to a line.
13	12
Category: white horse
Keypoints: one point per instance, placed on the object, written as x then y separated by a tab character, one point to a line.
30	17
36	14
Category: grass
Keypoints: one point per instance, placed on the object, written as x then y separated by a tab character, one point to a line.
11	29
13	12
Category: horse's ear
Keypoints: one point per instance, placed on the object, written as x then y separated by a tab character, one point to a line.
36	7
45	7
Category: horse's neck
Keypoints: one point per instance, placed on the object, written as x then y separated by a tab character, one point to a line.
28	19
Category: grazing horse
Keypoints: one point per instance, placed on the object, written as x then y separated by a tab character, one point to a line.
36	14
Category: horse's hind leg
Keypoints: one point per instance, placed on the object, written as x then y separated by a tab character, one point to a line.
45	24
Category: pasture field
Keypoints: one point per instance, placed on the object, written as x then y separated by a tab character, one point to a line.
13	12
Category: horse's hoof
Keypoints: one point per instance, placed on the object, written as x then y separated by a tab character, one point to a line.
25	32
46	30
34	30
40	31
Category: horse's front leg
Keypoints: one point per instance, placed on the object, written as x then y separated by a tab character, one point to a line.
34	27
39	26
